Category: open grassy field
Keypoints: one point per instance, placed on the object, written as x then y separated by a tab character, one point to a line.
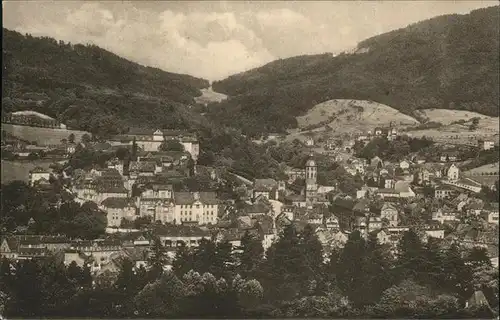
208	96
347	115
487	168
42	136
19	170
447	117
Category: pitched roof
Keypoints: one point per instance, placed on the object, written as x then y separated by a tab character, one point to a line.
111	189
257	208
389	206
40	170
143	166
189	197
181	231
118	203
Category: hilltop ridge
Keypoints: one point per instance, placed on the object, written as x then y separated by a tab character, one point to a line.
448	62
90	88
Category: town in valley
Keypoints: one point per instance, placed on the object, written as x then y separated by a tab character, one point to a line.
127	199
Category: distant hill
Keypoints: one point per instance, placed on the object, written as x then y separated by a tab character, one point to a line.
448	62
89	88
350	114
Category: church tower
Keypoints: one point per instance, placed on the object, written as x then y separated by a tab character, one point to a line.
311	180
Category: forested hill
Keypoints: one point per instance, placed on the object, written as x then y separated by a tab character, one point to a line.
90	88
446	62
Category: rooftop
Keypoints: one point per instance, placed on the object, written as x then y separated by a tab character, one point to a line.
183	198
118	203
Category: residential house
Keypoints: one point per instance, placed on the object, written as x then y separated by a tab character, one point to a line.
445	214
309	142
314	218
257	209
490	213
401	189
332	222
288	211
296	200
31	247
98	251
404	164
452	172
294	173
374	223
434	232
486	144
443	192
449	157
390	214
109	191
39	173
332	238
118	209
175	236
382	236
117	165
137	169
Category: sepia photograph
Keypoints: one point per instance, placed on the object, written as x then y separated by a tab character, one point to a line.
250	159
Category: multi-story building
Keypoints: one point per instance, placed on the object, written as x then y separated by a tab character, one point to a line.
199	207
118	209
39	174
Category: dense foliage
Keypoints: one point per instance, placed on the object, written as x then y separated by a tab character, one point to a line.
89	88
447	62
29	210
424	280
394	150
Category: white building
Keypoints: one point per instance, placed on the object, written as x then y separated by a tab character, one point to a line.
39	174
453	172
200	207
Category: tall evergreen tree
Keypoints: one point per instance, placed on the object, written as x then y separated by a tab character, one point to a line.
283	266
183	261
250	257
157	259
204	256
377	269
350	269
223	263
458	275
410	256
312	261
478	257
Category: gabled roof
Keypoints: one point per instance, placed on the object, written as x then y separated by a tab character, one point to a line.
389	206
257	208
111	189
118	203
181	231
362	205
143	166
40	170
183	198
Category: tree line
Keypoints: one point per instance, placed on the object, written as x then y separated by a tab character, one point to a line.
291	279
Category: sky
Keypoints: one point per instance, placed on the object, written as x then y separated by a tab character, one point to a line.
214	39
